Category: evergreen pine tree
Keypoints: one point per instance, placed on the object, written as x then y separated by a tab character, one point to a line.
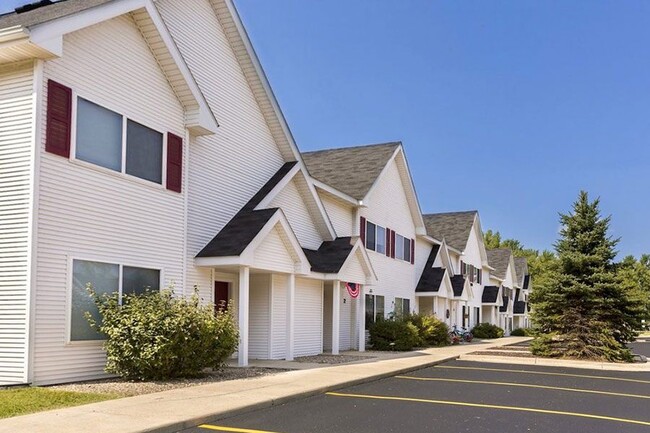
582	309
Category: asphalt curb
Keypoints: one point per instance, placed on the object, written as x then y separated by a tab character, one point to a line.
193	422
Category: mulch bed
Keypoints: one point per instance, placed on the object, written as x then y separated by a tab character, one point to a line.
332	359
130	388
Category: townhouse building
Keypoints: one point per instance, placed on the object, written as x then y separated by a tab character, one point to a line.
466	265
142	147
368	193
521	306
505	277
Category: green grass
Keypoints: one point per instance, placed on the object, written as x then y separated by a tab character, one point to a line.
20	401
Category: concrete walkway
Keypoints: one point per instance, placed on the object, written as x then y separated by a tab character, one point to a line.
173	410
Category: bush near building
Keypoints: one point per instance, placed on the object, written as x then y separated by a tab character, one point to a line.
407	332
487	330
157	336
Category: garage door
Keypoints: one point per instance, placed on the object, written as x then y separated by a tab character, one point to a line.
309	318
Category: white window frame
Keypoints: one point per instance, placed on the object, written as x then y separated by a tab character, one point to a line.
122	173
377	227
399	246
69	283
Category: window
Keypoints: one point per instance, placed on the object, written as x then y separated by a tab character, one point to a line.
144	150
399	247
381	240
407	249
99	135
105	279
402	307
100	140
371	236
374	309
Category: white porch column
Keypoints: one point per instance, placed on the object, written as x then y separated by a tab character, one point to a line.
336	316
361	316
244	305
291	314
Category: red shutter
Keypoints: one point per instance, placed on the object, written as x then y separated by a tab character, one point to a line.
59	119
412	251
174	162
362	230
392	244
388	242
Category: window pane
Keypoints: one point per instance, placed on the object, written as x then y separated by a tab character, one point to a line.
370	310
407	306
370	236
407	249
144	150
104	278
99	135
398	307
399	247
379	307
135	281
381	240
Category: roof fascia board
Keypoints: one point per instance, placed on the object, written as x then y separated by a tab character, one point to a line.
278	188
325	220
49	36
280	219
367	264
335	192
241	30
205	122
44	33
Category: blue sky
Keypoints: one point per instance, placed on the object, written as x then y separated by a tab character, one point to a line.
508	107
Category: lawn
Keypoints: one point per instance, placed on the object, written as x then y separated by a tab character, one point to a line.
20	401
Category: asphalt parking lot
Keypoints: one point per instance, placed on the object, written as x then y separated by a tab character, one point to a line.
467	396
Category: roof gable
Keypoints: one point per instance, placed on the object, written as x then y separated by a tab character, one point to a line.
355	172
39	33
351	170
453	227
499	259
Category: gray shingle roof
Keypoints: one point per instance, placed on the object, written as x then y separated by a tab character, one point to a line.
431	277
351	170
520	267
458	284
490	294
48	13
330	256
499	259
519	307
454	227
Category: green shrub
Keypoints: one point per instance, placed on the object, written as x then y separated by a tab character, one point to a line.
523	332
397	334
487	330
158	336
431	331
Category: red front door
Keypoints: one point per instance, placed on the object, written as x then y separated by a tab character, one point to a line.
220	295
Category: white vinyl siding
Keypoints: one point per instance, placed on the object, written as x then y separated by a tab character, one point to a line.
16	136
340	214
309	317
292	204
388	207
279	317
226	169
259	317
272	254
91	213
